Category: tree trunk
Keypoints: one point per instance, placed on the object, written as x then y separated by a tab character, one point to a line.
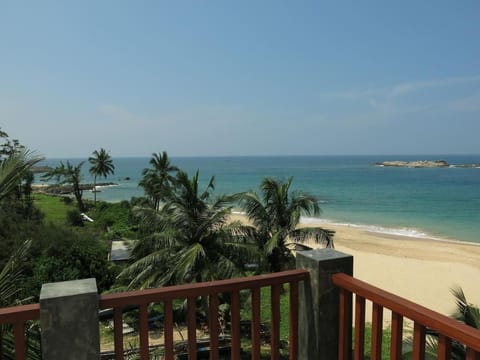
95	190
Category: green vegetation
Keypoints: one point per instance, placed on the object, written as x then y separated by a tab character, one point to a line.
276	215
189	239
158	180
102	165
55	208
68	174
183	233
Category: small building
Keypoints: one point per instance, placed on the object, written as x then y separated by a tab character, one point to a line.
120	251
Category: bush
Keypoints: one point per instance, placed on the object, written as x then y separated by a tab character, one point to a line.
74	218
67	200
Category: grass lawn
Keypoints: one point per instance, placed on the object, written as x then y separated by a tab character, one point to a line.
53	207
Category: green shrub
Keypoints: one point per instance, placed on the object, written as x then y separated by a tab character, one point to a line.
74	218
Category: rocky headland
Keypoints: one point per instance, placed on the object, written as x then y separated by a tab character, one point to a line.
424	164
66	189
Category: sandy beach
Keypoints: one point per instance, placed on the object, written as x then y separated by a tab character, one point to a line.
421	270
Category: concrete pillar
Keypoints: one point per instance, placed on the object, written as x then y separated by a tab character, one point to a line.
69	320
319	303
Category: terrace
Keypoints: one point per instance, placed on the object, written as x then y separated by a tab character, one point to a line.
322	313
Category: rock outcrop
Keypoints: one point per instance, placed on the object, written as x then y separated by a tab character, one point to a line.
415	164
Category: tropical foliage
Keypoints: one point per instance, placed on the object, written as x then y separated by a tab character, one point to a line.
276	214
14	169
68	174
15	164
102	165
158	179
465	312
191	241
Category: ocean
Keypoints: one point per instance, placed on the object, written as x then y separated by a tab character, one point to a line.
441	203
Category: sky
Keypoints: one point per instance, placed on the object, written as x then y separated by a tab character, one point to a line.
208	78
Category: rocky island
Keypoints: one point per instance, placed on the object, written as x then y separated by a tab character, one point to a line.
415	164
424	164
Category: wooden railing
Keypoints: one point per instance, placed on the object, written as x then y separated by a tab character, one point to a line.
211	290
448	329
17	316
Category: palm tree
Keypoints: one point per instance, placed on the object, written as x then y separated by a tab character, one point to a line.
192	239
102	165
14	168
276	215
68	174
157	180
465	312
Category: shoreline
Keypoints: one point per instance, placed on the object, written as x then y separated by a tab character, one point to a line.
422	270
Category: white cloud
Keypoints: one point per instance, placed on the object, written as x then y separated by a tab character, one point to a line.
468	104
400	89
409	87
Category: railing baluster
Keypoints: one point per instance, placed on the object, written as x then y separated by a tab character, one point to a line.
418	341
1	342
377	329
235	319
359	351
118	332
168	328
293	321
143	329
444	347
192	328
396	340
345	325
256	320
19	336
472	354
275	331
213	325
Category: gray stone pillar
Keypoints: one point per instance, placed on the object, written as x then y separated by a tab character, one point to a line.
69	320
319	303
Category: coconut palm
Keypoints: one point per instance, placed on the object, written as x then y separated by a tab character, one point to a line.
14	168
192	239
276	215
465	312
68	174
102	165
158	179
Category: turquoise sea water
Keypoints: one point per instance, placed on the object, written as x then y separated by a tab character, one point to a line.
439	202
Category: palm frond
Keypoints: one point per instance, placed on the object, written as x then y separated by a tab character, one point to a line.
465	312
317	234
14	168
11	274
272	243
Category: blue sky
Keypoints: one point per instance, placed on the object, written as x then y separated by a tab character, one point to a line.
241	78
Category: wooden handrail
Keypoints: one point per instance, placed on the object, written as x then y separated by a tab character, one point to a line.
433	320
200	289
210	291
17	314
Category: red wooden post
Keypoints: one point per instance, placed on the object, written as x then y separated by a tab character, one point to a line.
275	331
143	328
377	329
293	336
168	328
359	351
192	328
345	325
256	324
118	332
396	340
235	317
